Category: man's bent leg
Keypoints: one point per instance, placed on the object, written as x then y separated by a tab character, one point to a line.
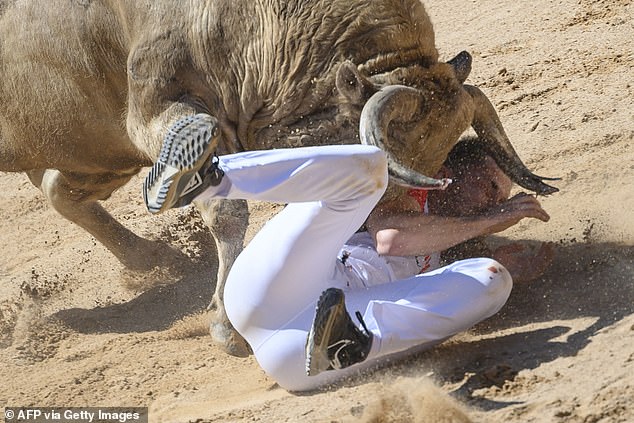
281	273
408	316
429	308
279	276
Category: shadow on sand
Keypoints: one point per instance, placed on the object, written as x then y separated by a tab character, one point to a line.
158	307
594	281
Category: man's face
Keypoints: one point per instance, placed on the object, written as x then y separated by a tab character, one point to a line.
475	189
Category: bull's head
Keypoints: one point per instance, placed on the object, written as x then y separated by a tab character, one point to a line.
417	114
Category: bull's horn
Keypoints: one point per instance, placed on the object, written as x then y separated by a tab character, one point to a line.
487	125
378	112
461	65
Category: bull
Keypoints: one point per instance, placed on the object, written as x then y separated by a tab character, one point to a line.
88	89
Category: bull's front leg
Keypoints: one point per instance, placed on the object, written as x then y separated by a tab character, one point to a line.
228	221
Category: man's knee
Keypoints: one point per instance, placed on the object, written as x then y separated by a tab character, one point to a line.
493	278
500	282
373	162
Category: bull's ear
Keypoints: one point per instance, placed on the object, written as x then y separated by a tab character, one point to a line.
356	88
461	65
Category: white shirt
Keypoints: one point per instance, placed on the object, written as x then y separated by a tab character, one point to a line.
360	265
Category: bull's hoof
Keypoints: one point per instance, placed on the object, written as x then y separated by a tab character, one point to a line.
229	340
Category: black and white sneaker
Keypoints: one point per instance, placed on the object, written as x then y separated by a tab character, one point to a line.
185	166
334	341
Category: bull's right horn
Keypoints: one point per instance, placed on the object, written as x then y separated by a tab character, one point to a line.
378	112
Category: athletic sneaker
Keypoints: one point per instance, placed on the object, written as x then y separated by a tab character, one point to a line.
334	342
185	166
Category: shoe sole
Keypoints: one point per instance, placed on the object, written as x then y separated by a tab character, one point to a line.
187	145
330	305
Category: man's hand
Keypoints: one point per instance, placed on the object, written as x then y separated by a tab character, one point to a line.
523	264
513	210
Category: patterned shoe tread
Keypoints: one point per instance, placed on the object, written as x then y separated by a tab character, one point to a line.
187	145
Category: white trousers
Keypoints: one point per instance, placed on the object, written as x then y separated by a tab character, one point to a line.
273	287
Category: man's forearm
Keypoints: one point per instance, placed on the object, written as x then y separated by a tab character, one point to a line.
411	233
408	235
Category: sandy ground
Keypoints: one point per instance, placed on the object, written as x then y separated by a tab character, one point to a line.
73	332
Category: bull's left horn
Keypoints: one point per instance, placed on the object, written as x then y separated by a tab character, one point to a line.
495	142
378	112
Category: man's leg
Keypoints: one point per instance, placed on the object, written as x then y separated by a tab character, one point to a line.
429	308
281	273
403	317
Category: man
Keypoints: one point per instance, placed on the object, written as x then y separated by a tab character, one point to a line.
288	292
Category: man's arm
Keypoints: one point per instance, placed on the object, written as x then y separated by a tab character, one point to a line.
406	233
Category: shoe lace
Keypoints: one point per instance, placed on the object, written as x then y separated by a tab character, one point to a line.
215	169
360	319
339	355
